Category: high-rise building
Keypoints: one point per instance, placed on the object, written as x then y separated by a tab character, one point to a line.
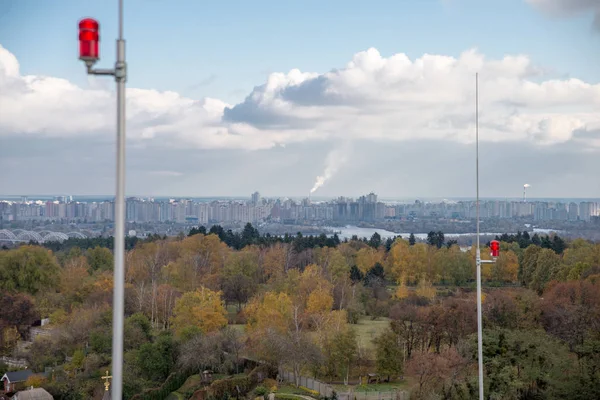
255	198
573	211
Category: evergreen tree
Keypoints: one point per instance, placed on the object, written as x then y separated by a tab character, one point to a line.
412	240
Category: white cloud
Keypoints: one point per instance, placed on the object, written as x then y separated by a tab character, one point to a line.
374	97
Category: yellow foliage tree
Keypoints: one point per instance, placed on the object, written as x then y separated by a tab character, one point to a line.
425	289
275	261
35	380
202	309
402	291
75	279
397	258
273	310
319	301
506	268
367	257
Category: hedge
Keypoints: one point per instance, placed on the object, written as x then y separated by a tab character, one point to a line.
224	388
173	382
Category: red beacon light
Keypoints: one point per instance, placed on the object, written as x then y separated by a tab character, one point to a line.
89	37
495	248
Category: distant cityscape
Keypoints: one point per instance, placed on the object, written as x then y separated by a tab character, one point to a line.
256	210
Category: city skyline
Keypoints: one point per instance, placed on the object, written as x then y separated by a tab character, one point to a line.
381	104
256	208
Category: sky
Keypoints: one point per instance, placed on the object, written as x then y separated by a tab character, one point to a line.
344	97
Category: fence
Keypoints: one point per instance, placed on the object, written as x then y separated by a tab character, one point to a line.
309	383
327	390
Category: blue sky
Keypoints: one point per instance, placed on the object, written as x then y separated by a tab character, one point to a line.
224	48
384	113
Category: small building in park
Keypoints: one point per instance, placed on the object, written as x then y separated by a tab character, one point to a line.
33	394
15	380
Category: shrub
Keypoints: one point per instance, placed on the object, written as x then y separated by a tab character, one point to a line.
261	390
173	382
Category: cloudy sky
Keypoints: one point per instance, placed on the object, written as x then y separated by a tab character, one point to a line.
229	97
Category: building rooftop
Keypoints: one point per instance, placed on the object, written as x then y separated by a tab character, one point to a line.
33	394
18	376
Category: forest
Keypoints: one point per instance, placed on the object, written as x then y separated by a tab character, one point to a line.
316	306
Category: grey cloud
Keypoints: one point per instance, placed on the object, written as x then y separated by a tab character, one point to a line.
250	112
583	134
312	92
568	8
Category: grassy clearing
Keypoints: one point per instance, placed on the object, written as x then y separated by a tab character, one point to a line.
367	330
372	389
381	387
289	389
175	396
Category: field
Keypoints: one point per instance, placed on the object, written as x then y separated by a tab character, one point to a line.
367	330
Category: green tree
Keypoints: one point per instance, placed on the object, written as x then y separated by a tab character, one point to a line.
100	259
157	360
389	353
522	364
548	262
345	350
528	264
412	240
28	269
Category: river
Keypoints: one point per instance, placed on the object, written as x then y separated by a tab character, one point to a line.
348	231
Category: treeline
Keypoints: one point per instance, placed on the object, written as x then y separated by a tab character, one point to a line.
299	299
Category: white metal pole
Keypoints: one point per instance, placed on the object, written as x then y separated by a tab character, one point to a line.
119	273
478	255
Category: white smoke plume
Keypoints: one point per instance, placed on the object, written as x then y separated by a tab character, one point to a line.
334	161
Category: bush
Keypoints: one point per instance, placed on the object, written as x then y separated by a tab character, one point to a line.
173	382
261	390
270	384
314	393
241	385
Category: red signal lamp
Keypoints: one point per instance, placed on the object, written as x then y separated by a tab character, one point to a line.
89	38
495	248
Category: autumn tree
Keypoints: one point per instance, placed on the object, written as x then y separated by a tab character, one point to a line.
239	277
367	257
272	310
437	375
571	312
75	281
505	268
18	312
199	311
218	351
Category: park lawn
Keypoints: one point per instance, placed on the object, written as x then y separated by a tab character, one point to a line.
381	387
289	389
190	382
373	388
367	330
